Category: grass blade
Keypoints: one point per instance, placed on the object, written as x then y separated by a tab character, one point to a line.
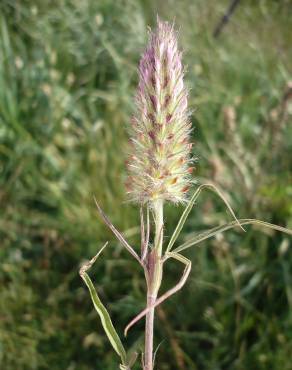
170	292
189	207
118	235
102	311
219	229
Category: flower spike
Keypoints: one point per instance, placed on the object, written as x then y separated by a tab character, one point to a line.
159	165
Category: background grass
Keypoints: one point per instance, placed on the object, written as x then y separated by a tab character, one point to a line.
67	80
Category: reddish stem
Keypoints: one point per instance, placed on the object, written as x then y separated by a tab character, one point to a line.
149	327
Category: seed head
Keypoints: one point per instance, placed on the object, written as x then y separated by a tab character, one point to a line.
159	164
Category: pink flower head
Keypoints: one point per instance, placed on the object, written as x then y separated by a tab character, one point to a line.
159	164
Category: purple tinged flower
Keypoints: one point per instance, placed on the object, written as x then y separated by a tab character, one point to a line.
159	165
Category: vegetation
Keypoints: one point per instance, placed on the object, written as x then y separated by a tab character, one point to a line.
67	80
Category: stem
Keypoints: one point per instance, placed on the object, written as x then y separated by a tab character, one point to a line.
158	218
149	326
154	277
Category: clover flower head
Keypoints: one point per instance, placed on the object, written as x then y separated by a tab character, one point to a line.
159	163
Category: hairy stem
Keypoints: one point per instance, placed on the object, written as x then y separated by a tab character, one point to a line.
154	277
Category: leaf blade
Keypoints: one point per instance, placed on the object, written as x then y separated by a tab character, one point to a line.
102	311
189	207
118	235
221	228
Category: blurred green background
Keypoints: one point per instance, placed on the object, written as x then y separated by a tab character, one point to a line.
68	71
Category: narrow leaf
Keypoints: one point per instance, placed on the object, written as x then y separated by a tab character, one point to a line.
189	208
219	229
118	235
170	292
102	311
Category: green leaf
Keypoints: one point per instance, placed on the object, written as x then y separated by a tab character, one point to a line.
189	207
219	229
103	313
